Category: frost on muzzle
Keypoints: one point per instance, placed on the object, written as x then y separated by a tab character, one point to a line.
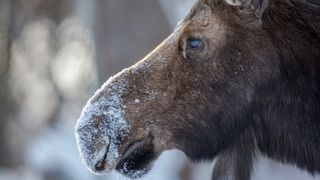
102	131
102	126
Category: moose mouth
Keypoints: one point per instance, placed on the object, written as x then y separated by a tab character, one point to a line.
135	161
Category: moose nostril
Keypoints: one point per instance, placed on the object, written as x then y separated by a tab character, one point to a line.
100	166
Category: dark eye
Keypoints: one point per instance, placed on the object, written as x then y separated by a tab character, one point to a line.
195	49
194	44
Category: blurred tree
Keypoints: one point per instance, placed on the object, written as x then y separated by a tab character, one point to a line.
176	10
15	15
125	32
5	100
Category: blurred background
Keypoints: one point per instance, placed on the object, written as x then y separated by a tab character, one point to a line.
53	55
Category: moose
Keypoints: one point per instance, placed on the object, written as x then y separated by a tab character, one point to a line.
235	78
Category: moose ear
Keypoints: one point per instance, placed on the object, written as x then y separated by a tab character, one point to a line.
253	7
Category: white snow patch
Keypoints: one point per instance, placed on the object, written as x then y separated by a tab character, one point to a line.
101	124
136	101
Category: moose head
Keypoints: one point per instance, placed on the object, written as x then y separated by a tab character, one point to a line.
200	90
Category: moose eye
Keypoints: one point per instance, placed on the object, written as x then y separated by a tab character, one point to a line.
194	44
196	49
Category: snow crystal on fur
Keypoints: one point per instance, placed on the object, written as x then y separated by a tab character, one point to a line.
101	125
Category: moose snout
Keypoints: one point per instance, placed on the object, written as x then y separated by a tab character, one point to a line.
101	127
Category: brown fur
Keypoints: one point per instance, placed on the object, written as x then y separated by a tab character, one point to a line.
253	87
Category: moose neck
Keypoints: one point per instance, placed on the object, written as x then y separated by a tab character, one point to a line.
288	127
